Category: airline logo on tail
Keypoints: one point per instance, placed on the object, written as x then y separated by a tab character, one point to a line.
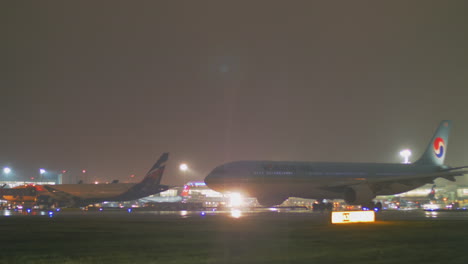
150	184
439	147
155	173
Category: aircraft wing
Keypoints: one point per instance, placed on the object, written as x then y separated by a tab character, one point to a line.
447	175
61	195
425	177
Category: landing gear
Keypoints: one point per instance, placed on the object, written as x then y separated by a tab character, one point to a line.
321	205
377	207
45	202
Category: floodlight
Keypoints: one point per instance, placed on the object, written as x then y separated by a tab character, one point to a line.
406	153
183	167
6	170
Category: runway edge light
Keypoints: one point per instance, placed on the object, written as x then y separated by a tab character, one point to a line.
352	217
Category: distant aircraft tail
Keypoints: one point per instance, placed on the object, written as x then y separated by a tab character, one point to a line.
154	175
150	184
437	149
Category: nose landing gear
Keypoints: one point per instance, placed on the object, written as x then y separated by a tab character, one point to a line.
321	205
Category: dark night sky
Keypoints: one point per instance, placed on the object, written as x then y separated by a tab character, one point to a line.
108	85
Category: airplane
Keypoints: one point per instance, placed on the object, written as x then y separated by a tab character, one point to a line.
272	182
24	193
72	195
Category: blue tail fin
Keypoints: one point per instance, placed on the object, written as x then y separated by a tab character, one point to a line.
149	185
154	175
437	149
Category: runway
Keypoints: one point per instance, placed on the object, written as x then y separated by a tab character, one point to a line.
260	213
237	236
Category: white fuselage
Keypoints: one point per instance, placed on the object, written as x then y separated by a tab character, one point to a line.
316	180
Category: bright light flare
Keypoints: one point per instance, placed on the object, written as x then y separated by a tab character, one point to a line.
42	171
236	199
183	167
6	170
406	153
431	206
236	213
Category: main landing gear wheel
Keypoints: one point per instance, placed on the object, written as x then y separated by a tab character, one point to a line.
377	207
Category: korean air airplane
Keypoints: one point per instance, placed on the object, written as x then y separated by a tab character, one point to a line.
272	182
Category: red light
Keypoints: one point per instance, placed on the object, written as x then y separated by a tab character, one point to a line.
84	171
32	178
132	176
64	171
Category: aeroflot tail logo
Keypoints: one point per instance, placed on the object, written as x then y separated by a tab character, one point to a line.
154	174
439	147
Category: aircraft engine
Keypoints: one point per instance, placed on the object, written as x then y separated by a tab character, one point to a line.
358	194
269	201
44	200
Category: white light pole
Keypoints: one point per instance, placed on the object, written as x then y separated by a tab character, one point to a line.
406	153
42	172
85	176
183	168
6	171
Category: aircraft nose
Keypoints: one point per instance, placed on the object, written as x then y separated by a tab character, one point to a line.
209	179
214	179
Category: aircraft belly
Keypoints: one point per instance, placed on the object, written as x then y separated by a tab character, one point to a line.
310	190
396	188
307	186
97	195
93	191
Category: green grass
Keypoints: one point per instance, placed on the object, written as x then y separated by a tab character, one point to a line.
220	239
